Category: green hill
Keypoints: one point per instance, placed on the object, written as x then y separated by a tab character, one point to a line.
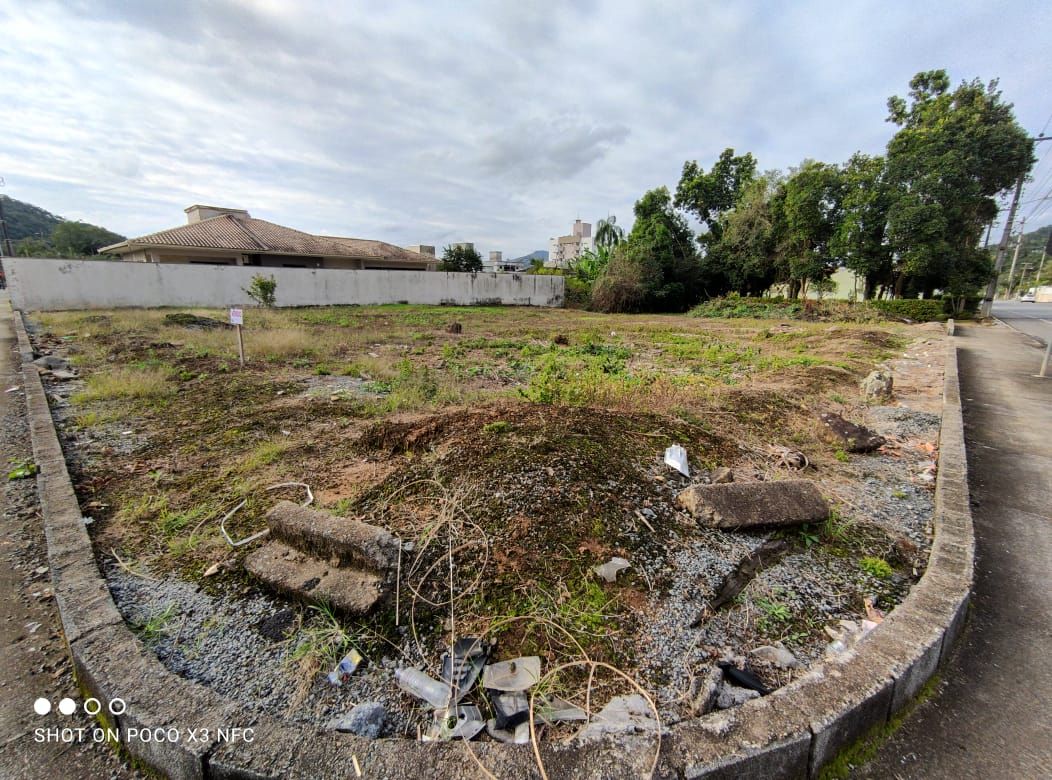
36	232
24	220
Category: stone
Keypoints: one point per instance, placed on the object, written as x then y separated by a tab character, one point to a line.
608	571
366	720
751	504
62	375
776	655
733	696
721	475
848	435
51	363
705	690
878	385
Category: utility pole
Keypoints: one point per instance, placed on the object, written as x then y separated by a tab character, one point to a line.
1002	247
1015	258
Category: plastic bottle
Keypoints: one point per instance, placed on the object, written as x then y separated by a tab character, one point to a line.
435	693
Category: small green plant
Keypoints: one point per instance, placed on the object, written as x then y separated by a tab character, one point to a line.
837	398
322	370
842	456
809	535
775	615
496	427
898	494
156	625
263	290
22	470
876	567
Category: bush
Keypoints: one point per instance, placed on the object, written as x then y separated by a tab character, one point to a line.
914	309
263	290
621	288
578	293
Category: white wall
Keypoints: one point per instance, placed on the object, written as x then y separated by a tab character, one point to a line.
46	284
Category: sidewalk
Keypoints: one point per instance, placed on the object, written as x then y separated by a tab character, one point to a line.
33	660
991	716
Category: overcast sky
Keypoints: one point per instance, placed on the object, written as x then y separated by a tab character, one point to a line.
492	122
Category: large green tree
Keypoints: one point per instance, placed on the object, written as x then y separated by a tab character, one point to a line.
954	151
860	241
809	209
709	195
746	259
656	268
460	258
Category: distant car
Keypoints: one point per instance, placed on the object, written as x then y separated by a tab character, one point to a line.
1027	297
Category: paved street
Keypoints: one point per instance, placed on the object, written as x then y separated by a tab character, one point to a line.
1034	319
990	716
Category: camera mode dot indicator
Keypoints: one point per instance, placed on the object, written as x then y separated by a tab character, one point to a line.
42	706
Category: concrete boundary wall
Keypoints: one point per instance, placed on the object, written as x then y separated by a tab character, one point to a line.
47	284
791	733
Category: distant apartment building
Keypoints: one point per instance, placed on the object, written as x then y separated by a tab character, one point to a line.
564	250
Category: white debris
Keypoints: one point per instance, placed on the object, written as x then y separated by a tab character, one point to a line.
623	714
676	457
515	675
608	571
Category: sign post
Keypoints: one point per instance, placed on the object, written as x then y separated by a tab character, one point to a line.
237	318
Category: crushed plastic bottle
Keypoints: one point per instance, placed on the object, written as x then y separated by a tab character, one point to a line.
345	668
413	681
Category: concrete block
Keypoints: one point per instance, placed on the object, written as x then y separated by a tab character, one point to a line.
83	600
751	504
344	540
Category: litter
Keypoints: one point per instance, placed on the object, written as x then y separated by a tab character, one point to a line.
11	389
211	570
460	670
87	520
556	710
509	709
622	714
265	531
742	678
413	681
462	721
676	457
518	735
345	668
608	571
515	675
777	655
32	627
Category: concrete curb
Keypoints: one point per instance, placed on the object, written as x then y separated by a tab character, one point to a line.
791	733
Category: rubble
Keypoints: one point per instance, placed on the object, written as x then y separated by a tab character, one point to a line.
515	675
848	435
738	505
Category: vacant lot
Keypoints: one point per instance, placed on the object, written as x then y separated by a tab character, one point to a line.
527	442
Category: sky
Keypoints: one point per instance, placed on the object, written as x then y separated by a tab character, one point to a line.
495	122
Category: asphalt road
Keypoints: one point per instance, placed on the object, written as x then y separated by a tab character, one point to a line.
1033	319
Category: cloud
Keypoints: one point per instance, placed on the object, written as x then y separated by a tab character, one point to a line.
493	122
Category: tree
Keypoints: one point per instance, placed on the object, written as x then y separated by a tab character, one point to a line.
708	195
460	258
810	202
659	256
861	238
745	260
591	263
33	247
79	239
954	152
608	233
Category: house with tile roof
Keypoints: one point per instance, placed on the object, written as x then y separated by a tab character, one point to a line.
222	236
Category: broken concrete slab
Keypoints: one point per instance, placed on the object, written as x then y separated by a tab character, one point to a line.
52	363
755	504
848	435
346	540
302	576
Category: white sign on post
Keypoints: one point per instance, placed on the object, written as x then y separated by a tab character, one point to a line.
237	317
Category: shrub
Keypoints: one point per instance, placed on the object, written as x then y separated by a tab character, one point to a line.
578	293
621	288
263	290
916	309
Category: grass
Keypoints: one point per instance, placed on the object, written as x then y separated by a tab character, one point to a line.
157	624
876	567
126	383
